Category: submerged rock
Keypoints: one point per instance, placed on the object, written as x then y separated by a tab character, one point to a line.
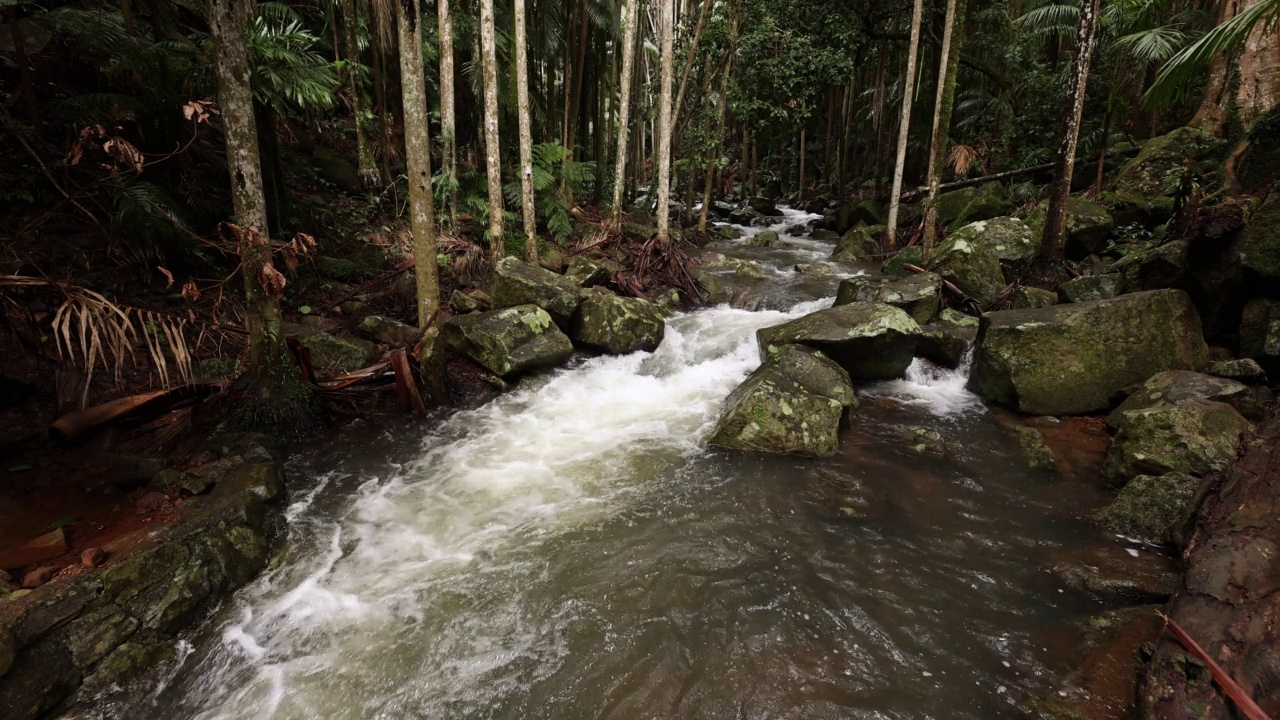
518	283
618	325
510	341
1071	359
1175	387
1091	287
1031	440
973	268
1197	437
918	295
871	341
1151	508
858	243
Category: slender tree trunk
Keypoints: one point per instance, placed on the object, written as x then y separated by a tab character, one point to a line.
877	119
1064	165
948	64
629	8
1102	152
526	136
493	155
367	167
714	154
448	119
574	107
662	145
688	60
802	138
908	82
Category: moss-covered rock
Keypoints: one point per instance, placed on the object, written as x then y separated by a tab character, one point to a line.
966	205
942	346
1088	226
618	325
1070	359
1141	186
1260	246
336	268
955	318
389	331
1008	238
897	263
509	342
729	232
918	295
768	238
1244	370
1029	298
1151	507
333	353
1260	332
739	266
814	372
1175	387
519	283
1034	448
586	272
1091	287
973	268
1197	437
857	212
871	341
812	269
1163	266
859	243
637	232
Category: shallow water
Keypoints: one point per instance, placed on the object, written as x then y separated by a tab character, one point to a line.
572	550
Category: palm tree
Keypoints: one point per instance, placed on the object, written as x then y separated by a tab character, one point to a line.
666	31
629	20
948	64
908	82
526	137
493	155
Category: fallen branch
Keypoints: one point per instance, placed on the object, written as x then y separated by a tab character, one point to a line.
1247	706
82	424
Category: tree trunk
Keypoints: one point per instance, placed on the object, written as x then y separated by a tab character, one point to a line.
688	61
364	151
493	155
629	8
1064	165
1259	90
1215	103
662	145
908	82
802	138
526	136
448	120
717	147
574	104
877	119
948	64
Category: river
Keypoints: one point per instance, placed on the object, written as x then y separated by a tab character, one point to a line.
573	550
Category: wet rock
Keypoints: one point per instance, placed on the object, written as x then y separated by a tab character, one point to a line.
966	205
330	353
742	216
45	547
1175	387
1151	508
1088	226
38	577
1140	188
1029	298
1163	266
551	258
859	243
855	212
1091	287
1198	438
586	273
1008	238
94	635
941	347
1071	359
797	230
740	266
92	558
149	502
925	440
1260	333
871	341
764	206
1260	246
1031	440
768	238
1245	370
1114	577
517	283
897	263
974	269
670	301
813	269
815	373
389	331
8	650
954	318
729	232
618	325
462	303
918	295
824	234
509	342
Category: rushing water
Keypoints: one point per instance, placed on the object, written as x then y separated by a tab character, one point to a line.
572	550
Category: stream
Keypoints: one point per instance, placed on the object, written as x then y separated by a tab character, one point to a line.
573	550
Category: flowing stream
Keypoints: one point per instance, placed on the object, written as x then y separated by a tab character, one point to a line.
572	550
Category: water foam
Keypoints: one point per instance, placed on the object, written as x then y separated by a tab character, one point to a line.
942	390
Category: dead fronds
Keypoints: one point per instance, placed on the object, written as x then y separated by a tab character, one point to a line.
961	158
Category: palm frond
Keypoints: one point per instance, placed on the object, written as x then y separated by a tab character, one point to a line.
1182	68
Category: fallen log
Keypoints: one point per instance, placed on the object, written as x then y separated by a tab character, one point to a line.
83	424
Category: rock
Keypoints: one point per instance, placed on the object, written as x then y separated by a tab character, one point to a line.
338	171
8	650
389	331
924	440
38	577
859	243
331	353
816	206
1071	359
957	319
941	348
1260	243
813	269
462	303
670	301
1198	438
974	269
768	238
92	558
1142	183
824	234
1244	370
45	547
1260	333
1111	576
638	232
897	263
1151	508
1088	226
618	325
850	214
551	258
739	266
133	471
797	230
518	283
1029	298
1164	266
149	502
1174	387
336	268
871	341
1091	287
509	342
772	411
587	273
966	205
918	295
764	206
1007	237
742	216
1031	440
729	232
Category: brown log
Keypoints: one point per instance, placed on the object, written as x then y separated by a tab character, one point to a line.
82	424
958	184
406	385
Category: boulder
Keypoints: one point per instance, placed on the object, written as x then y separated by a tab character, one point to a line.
1197	437
1260	246
618	325
742	216
1260	333
918	295
463	303
1245	370
1007	237
1091	287
957	319
966	205
389	331
586	272
729	232
1151	508
764	206
518	283
336	268
824	234
510	341
768	238
812	269
1164	266
1088	226
974	269
794	403
550	258
854	212
941	347
1029	298
1071	359
871	341
739	266
1175	387
797	230
858	243
1141	186
896	264
332	353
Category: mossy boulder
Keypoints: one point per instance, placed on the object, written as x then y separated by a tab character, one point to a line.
1244	370
918	295
637	232
389	331
551	258
729	232
812	269
768	238
1260	246
1009	238
1087	288
794	403
1175	387
1151	508
509	342
1198	438
1260	333
973	268
765	206
966	205
858	243
1163	266
618	325
955	318
518	283
739	266
1026	298
897	263
1088	226
586	273
338	171
1140	188
857	212
336	268
330	353
871	341
1071	359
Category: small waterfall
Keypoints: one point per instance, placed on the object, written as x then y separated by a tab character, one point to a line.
941	389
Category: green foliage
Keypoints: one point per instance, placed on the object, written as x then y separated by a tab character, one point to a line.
551	163
1183	68
288	72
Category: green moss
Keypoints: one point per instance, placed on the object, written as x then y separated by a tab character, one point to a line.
1150	507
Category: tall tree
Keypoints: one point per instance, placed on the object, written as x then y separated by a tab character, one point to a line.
948	64
662	146
908	89
629	10
1064	164
526	136
493	154
368	169
448	123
